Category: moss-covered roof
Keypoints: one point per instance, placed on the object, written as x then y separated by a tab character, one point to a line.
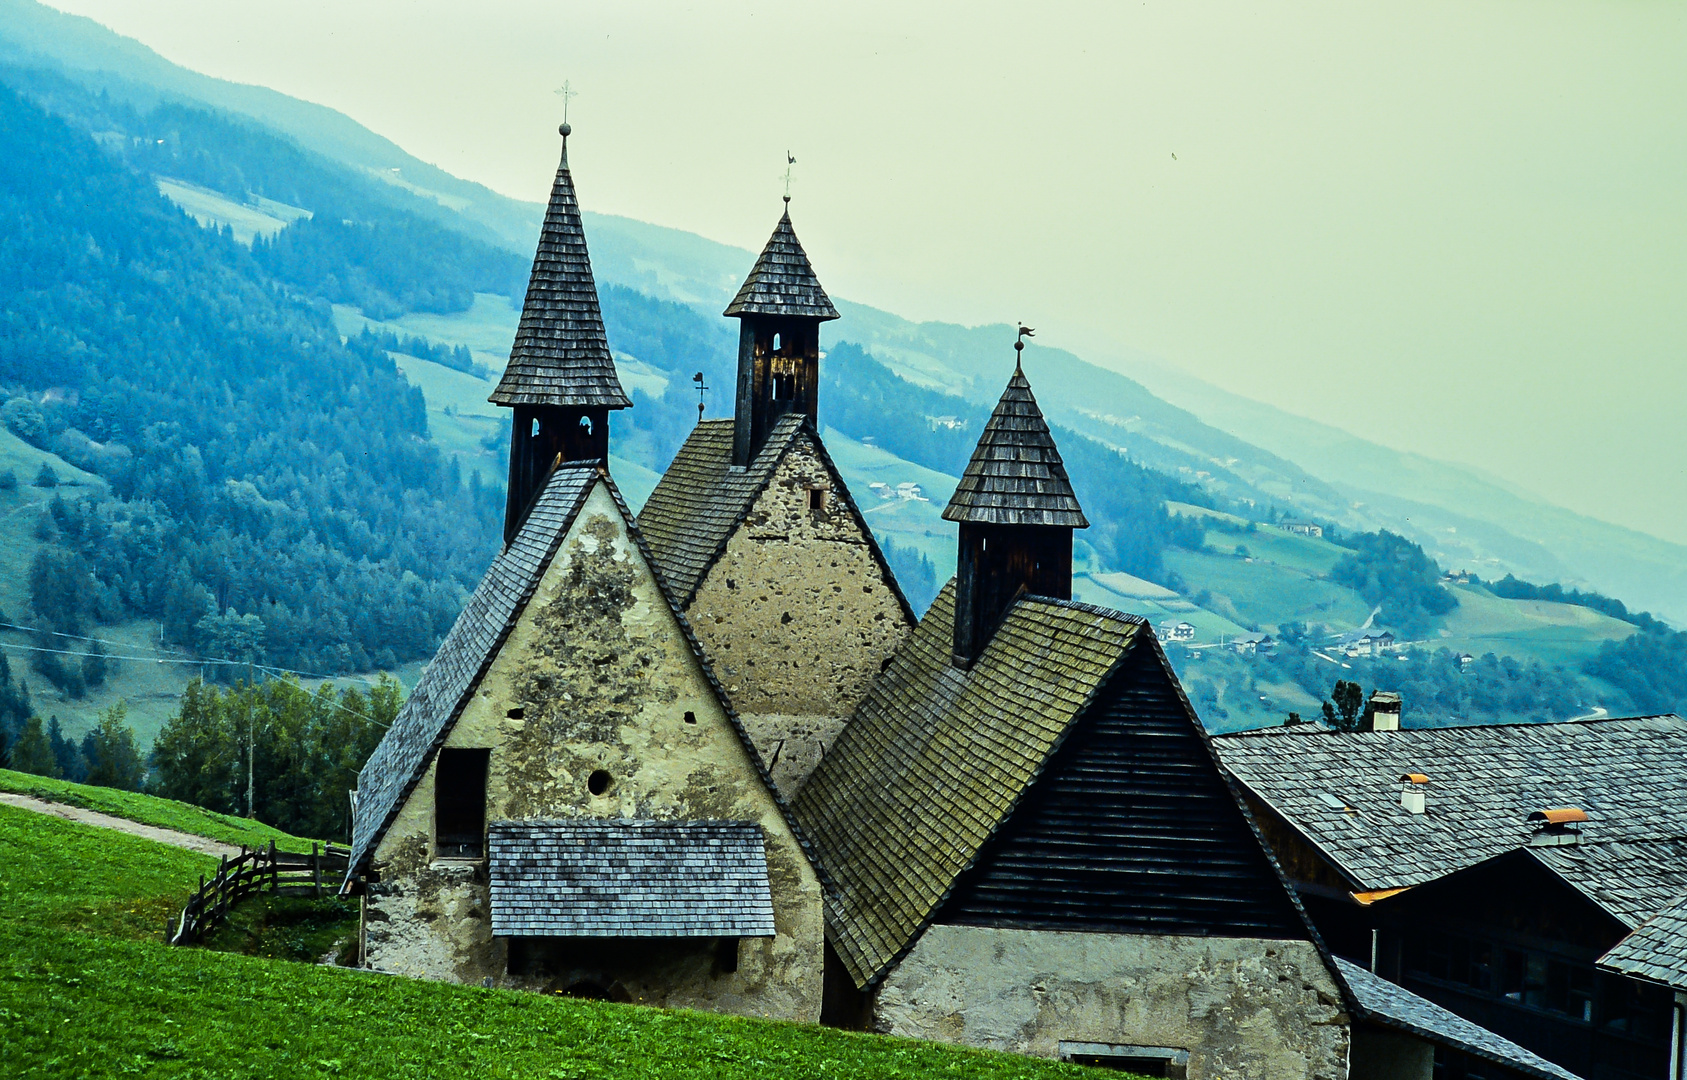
937	756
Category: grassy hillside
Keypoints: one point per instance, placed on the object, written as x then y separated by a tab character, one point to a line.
151	810
90	991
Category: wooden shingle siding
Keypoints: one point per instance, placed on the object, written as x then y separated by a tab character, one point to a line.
1130	829
561	355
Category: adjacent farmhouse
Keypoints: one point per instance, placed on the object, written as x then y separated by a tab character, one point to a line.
1497	871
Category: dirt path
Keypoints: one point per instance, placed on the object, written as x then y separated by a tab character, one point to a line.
106	821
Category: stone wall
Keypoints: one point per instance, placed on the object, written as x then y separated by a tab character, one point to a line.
597	675
797	616
1241	1007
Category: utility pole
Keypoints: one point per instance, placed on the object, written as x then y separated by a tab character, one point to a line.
251	746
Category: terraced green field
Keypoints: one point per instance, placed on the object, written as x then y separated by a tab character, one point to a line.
1562	634
1266	593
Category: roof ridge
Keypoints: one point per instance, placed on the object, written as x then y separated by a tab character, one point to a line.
1318	729
561	354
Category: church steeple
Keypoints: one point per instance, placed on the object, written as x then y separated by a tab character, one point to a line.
1017	511
561	380
780	308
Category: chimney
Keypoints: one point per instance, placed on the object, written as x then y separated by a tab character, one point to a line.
1411	792
1557	828
1382	713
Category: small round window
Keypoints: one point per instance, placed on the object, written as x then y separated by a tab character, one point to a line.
598	782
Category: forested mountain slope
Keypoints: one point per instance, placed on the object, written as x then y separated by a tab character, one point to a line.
271	489
265	478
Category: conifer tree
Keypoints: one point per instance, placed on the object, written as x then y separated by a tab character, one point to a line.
33	753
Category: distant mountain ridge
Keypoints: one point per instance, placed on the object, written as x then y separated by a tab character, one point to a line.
1238	449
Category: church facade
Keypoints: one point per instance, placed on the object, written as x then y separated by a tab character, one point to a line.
708	757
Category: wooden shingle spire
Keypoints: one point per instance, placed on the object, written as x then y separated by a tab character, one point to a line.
782	282
1016	476
561	356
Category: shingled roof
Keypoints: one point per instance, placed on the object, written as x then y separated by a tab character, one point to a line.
936	757
588	877
702	499
561	356
1657	951
782	282
953	788
1396	1007
474	639
1341	791
1016	476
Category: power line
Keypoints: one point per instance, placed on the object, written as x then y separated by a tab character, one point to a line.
179	658
162	660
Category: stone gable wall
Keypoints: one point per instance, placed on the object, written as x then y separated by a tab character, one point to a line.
602	678
1242	1007
797	617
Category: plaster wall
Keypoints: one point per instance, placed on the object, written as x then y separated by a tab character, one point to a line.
797	616
597	675
1241	1007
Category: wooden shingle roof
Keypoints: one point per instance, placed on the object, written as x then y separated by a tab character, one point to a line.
1657	951
1395	1007
1341	790
561	356
586	877
702	500
782	282
936	757
1016	476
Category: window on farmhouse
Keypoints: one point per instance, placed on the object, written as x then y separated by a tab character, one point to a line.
460	804
817	498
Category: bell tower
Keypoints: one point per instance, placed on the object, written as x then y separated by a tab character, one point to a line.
561	380
779	311
1016	511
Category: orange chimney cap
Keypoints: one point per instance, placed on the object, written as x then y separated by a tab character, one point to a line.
1562	816
1414	778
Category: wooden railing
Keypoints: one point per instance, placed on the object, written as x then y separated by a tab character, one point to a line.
256	870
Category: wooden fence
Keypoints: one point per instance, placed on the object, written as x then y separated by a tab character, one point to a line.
284	873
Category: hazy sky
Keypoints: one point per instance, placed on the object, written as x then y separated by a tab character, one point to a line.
1458	228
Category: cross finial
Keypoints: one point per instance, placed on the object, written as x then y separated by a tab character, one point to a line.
1019	346
789	161
701	386
566	92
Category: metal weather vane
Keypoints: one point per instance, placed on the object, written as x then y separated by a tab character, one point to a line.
789	161
701	387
